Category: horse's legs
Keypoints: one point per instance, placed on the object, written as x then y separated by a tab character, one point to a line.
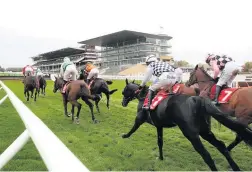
35	97
72	111
97	106
32	91
78	105
91	106
199	147
160	142
209	136
25	91
65	105
192	135
28	94
237	140
107	95
44	90
139	120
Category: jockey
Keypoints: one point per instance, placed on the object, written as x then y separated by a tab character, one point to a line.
38	72
68	71
27	70
163	70
228	69
92	72
178	72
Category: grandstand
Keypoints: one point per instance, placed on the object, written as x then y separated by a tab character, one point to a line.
129	47
50	62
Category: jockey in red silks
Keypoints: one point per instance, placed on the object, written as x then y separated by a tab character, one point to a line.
28	70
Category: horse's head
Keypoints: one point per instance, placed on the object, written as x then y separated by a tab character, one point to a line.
129	92
198	75
58	83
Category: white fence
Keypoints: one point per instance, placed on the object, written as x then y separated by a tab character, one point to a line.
55	154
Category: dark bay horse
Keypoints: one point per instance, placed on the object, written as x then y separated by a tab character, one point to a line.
191	114
239	104
74	90
99	86
42	85
30	84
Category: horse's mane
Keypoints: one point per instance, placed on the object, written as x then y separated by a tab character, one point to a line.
205	72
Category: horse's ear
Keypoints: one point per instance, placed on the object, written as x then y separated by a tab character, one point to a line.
53	77
196	67
127	82
133	81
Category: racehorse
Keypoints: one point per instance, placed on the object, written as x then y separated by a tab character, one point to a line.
31	83
186	112
98	86
235	101
74	90
42	85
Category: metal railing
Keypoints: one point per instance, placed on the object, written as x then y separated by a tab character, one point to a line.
56	156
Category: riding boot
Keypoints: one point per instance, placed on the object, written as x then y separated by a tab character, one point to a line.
88	81
150	97
217	93
171	90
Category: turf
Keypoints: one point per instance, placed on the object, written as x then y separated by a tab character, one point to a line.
100	146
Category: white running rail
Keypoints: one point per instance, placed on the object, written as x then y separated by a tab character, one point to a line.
56	156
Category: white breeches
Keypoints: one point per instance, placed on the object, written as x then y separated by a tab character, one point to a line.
70	73
40	74
227	75
165	79
93	73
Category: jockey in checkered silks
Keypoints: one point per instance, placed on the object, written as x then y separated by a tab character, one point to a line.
166	73
226	67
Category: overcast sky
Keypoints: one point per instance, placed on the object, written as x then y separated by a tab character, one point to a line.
198	27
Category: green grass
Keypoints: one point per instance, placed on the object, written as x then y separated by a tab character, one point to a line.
100	146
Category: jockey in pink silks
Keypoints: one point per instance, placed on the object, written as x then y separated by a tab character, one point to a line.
226	67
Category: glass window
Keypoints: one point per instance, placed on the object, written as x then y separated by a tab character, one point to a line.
151	40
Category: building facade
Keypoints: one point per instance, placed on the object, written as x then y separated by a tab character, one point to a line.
129	47
50	62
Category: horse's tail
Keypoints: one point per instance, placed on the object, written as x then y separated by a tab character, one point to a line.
242	130
112	91
84	91
109	82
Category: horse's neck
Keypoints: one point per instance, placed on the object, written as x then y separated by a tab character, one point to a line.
205	86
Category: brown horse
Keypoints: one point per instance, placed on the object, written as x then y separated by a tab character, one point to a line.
74	90
31	83
236	101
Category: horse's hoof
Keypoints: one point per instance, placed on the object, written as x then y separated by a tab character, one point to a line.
160	158
68	115
124	136
77	121
95	121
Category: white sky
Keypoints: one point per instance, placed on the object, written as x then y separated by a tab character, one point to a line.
198	27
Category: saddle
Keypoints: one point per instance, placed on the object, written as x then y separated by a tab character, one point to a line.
65	86
225	93
160	96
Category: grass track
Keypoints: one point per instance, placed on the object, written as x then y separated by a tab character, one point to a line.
100	146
